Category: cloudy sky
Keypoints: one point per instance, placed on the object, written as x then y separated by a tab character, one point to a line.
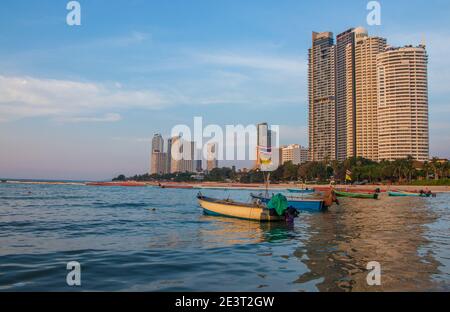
83	102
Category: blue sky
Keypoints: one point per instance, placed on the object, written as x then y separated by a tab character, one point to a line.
83	102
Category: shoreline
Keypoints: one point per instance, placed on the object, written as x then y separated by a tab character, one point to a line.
251	186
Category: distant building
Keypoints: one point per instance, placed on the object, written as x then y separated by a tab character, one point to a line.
321	93
263	141
304	154
182	156
295	153
403	103
158	163
157	143
212	160
290	153
158	157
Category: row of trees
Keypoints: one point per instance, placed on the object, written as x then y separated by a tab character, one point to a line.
399	171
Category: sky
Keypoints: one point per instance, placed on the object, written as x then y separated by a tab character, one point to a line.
83	102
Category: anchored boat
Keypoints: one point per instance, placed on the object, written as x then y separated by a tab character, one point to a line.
229	208
356	195
297	203
408	194
301	191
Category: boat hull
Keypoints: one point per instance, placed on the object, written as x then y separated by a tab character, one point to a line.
300	204
242	211
356	195
404	194
301	191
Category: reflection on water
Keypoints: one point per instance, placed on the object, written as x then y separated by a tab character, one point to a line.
148	239
342	242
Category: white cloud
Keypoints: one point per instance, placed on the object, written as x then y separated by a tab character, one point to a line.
295	66
110	117
22	97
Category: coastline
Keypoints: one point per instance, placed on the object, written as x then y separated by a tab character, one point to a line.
250	186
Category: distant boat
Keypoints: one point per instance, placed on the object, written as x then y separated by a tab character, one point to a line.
408	194
178	186
302	191
229	208
356	195
298	203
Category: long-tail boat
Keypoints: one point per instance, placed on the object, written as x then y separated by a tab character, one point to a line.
356	195
297	202
229	208
409	194
301	191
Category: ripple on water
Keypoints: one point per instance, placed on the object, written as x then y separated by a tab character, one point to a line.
148	239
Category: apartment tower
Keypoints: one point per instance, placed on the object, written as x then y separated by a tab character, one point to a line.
345	51
403	103
212	159
366	112
321	93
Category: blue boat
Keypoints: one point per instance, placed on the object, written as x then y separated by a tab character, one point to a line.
297	203
301	191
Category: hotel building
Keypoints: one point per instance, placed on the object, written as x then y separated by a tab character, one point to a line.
366	112
403	125
345	52
321	94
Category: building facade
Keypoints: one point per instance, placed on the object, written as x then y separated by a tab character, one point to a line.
403	123
366	112
345	51
321	94
212	161
158	163
182	156
291	153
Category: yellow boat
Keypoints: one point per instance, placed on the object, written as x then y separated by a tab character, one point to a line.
229	208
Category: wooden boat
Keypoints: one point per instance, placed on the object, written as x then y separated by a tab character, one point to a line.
356	195
179	186
302	191
408	194
229	208
297	203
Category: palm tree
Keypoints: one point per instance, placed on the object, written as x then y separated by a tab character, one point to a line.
435	167
426	169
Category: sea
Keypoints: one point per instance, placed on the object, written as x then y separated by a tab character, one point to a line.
151	239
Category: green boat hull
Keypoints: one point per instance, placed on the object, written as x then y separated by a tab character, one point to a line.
356	195
400	194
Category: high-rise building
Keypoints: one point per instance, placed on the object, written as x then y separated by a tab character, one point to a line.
182	155
365	113
158	163
345	51
158	157
157	143
212	160
321	92
264	136
304	154
403	103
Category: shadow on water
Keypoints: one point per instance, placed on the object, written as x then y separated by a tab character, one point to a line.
343	241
